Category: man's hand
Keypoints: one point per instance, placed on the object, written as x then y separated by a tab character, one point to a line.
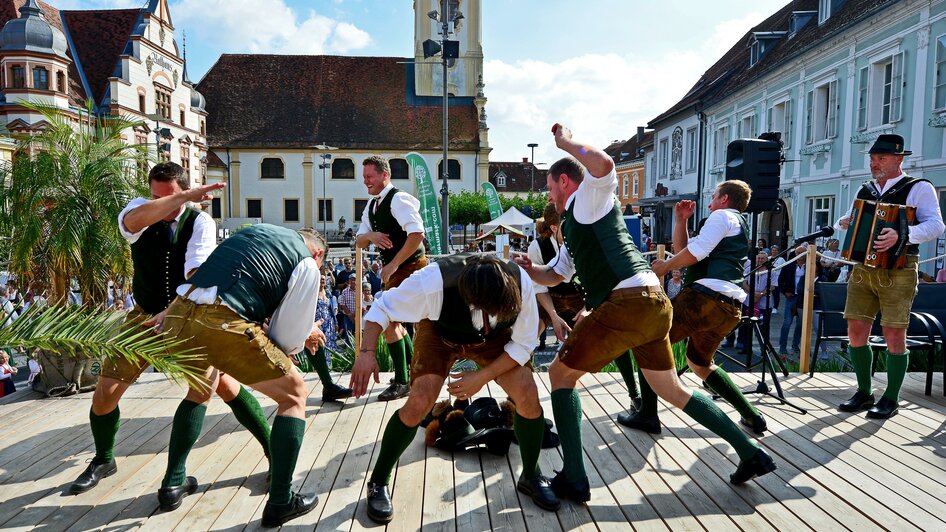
202	193
523	261
365	366
843	223
380	240
581	315
562	330
886	239
659	267
156	322
684	209
562	134
387	271
316	337
465	384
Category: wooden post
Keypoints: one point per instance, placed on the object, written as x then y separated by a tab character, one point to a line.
804	356
506	252
360	274
661	255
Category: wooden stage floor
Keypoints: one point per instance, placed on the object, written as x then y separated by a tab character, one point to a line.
836	471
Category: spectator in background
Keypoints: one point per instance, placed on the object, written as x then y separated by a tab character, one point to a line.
674	283
7	372
341	278
346	306
831	268
763	246
774	250
374	277
941	276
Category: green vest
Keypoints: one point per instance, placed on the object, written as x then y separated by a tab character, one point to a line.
727	260
456	322
158	258
897	194
251	269
603	252
382	220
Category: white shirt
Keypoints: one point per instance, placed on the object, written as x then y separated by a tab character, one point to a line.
292	321
535	255
923	196
720	224
593	200
404	207
420	297
202	242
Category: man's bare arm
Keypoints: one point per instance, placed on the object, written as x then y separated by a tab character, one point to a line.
157	209
598	163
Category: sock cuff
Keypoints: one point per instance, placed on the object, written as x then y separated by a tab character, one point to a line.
111	416
860	350
241	397
525	420
398	423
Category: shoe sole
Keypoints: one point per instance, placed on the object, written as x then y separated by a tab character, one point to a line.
179	502
855	410
531	494
335	398
75	491
642	429
753	430
286	519
768	469
379	519
380	398
877	416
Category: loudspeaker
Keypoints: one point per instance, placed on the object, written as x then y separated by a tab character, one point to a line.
758	163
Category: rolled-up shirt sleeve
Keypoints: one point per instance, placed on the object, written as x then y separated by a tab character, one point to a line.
292	322
406	210
718	226
419	297
562	264
201	244
535	255
132	205
364	228
930	219
524	340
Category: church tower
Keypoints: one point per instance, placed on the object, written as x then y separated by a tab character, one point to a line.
463	74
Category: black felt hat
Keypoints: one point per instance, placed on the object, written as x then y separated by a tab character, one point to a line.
889	144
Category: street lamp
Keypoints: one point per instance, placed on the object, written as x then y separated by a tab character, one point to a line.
448	50
326	157
532	145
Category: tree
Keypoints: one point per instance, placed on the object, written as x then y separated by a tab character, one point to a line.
534	202
60	200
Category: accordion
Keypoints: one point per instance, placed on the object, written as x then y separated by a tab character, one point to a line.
868	219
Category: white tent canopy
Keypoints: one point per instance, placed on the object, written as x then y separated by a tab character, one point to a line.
511	218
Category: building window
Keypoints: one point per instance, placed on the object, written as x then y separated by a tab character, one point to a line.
824	10
183	116
453	167
272	168
746	128
186	160
290	209
664	155
627	186
203	128
501	180
343	169
820	212
635	183
399	169
141	104
162	101
691	150
325	210
720	142
215	208
780	119
254	208
60	82
18	75
822	112
939	100
360	206
40	78
880	92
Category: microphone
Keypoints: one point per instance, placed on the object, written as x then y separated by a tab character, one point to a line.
823	232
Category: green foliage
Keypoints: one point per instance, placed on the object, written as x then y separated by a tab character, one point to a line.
343	359
536	201
679	358
468	208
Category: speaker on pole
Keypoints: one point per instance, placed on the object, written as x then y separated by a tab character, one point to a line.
758	163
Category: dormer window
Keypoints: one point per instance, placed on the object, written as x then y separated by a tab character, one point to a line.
760	43
824	10
501	180
799	20
18	76
40	78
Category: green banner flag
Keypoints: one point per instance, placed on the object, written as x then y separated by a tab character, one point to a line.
429	208
492	201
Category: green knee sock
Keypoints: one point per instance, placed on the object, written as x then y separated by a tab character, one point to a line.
320	364
104	430
702	409
399	359
648	397
566	407
719	382
862	358
896	370
249	413
284	448
188	420
530	433
626	367
397	436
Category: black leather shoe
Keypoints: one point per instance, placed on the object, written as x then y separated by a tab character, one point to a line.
759	464
335	392
380	507
276	514
395	391
884	409
577	491
860	401
638	421
540	489
170	498
754	423
92	475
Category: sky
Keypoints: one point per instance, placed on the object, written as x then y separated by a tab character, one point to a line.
623	62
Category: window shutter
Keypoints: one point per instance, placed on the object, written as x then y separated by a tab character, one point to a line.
809	118
787	124
768	120
897	83
832	126
862	98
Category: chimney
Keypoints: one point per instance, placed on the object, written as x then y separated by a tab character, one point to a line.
525	160
640	133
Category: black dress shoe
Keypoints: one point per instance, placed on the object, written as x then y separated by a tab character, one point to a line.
92	475
540	489
860	401
884	409
577	491
170	498
638	421
395	391
335	392
759	464
754	423
276	514
380	507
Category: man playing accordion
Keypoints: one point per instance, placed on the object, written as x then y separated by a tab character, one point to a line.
889	291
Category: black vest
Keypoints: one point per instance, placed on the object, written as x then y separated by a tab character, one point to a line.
726	261
158	258
548	255
456	322
382	220
896	194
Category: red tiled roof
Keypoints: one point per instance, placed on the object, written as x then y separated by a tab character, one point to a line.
518	177
99	37
629	150
301	101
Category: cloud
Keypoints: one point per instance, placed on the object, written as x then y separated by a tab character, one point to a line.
268	26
